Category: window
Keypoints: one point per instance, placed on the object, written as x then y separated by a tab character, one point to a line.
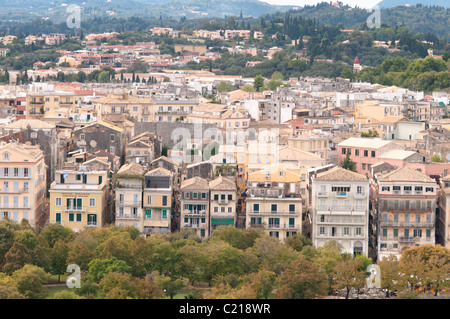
58	201
112	149
291	208
186	195
428	231
164	200
112	137
216	197
148	214
82	136
372	153
358	231
216	209
256	208
194	195
230	209
357	152
346	231
429	189
343	150
385	188
203	195
359	189
230	197
273	208
366	153
322	230
91	202
384	232
78	177
79	217
164	214
58	218
395	232
6	156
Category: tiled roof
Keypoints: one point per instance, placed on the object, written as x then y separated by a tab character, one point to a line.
406	174
222	183
195	183
131	169
340	174
160	171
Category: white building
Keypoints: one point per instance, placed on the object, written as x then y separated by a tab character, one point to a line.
340	210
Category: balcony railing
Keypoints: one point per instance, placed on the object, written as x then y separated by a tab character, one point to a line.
194	213
322	194
91	224
277	213
14	190
128	203
223	201
406	224
128	217
75	209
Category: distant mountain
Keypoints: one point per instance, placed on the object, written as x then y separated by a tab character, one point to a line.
56	10
394	3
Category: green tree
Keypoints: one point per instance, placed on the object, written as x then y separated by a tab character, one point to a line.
171	286
54	232
390	268
258	82
348	164
58	257
349	274
298	241
225	87
30	280
302	280
98	268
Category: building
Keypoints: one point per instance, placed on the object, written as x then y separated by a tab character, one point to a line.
171	110
23	180
141	109
128	196
194	205
273	202
406	203
158	199
223	200
340	210
364	152
443	215
101	135
79	197
49	104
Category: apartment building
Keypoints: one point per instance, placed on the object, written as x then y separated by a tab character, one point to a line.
79	196
171	110
158	198
49	104
223	200
273	202
128	196
123	103
22	183
194	205
406	202
364	152
340	210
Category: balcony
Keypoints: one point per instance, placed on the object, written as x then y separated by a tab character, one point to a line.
128	217
271	213
78	209
14	190
91	224
322	194
223	201
408	239
406	224
341	194
128	203
188	213
360	195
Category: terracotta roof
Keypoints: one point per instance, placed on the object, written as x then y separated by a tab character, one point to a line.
131	168
406	174
222	183
160	171
340	174
195	183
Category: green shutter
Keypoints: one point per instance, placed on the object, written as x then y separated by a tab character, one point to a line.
79	202
68	202
71	217
100	180
148	213
164	214
79	217
291	221
58	217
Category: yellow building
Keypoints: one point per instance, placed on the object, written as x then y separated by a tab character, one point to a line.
138	108
78	197
274	203
23	180
222	202
40	103
195	205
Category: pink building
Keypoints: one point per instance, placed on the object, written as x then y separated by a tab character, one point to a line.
364	152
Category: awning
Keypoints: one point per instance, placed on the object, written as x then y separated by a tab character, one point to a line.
222	221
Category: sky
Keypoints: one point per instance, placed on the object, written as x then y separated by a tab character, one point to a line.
362	4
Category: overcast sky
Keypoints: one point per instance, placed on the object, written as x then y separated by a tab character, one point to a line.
362	4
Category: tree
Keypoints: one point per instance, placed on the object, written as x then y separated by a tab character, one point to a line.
30	280
6	241
348	164
298	242
58	257
302	280
54	232
435	158
16	258
248	88
263	282
98	268
170	286
258	82
225	87
390	268
272	254
349	275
